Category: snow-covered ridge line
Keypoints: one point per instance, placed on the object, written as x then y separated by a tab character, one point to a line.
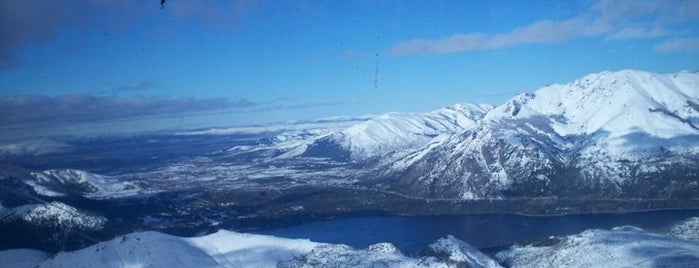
398	131
620	102
625	246
619	247
361	139
61	182
53	214
609	127
231	249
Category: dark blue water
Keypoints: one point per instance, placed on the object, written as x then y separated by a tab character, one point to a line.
413	233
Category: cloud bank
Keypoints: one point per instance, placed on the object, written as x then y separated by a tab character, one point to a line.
32	147
22	111
35	111
611	19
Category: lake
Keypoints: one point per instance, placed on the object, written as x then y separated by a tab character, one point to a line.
413	233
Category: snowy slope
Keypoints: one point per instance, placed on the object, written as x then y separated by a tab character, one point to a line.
54	214
620	247
449	252
397	131
60	182
455	251
622	105
231	249
151	249
687	230
288	143
283	140
360	138
21	258
604	135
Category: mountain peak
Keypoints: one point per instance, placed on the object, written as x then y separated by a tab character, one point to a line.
399	131
620	102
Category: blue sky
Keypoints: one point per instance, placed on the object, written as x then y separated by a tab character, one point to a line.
70	67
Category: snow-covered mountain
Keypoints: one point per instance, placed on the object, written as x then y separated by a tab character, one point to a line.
626	246
363	138
61	182
617	107
54	214
396	131
611	134
231	249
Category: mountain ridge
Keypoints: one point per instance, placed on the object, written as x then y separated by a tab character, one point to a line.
593	132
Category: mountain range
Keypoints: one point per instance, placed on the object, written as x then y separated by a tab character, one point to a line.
619	247
624	134
607	142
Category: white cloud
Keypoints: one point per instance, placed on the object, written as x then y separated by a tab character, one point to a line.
454	43
541	32
638	33
678	45
614	20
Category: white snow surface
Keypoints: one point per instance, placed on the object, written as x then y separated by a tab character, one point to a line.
227	249
21	258
620	247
